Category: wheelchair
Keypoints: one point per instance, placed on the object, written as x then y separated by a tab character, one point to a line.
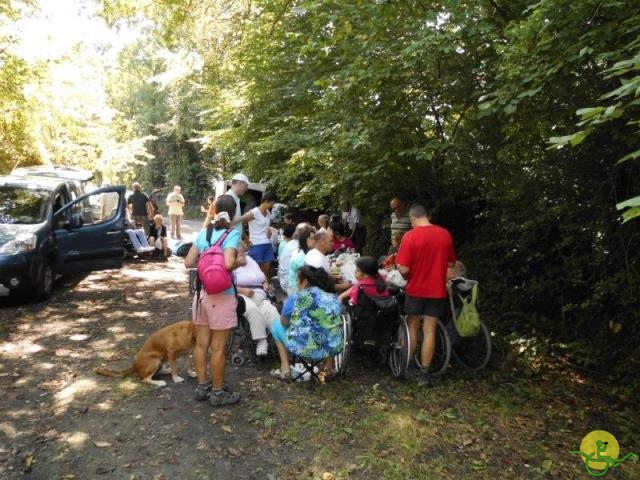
377	327
241	348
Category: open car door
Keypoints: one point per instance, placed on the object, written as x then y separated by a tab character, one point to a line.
89	231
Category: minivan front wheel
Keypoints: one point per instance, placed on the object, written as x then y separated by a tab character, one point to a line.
44	282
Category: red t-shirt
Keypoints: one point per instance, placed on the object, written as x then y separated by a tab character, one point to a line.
427	251
346	243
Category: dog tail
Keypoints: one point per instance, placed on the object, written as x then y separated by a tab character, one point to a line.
115	373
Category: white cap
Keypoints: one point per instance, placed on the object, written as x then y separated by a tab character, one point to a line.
241	177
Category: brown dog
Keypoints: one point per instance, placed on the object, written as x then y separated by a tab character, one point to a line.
167	344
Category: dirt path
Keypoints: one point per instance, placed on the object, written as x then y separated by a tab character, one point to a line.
61	421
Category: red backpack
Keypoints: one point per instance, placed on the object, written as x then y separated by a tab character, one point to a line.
214	276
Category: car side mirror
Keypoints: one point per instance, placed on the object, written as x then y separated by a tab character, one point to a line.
74	222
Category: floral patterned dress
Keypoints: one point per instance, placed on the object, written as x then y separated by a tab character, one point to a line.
315	328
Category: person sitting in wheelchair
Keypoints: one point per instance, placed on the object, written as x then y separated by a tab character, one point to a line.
369	282
259	311
372	306
310	326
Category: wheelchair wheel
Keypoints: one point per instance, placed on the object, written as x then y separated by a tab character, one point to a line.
474	353
342	359
399	353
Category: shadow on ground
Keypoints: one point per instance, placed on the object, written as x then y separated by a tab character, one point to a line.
60	420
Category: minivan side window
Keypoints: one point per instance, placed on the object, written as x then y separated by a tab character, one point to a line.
60	199
96	208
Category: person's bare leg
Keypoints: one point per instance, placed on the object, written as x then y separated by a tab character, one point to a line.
414	322
266	269
203	339
285	368
218	357
165	247
428	341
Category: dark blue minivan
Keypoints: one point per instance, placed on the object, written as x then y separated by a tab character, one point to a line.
46	229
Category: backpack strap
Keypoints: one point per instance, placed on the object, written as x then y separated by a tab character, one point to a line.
474	293
209	233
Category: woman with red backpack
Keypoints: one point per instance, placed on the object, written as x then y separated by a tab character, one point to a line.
215	253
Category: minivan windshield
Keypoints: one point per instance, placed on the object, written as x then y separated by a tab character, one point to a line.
23	205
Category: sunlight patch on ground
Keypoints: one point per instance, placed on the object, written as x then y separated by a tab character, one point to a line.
46	366
21	349
104	406
68	394
153	275
401	421
65	352
75	439
78	337
8	430
19	413
22	381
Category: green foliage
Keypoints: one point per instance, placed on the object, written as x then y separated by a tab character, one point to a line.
469	106
517	121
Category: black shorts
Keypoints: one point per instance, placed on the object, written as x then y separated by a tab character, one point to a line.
432	307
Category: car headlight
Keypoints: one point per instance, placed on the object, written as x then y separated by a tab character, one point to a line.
24	242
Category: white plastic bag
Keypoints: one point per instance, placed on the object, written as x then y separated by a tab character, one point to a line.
347	264
395	279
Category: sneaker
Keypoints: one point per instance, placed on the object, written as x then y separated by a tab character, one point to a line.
427	380
224	396
262	347
202	392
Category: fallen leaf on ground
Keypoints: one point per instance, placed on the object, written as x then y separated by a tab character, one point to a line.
234	452
328	476
102	444
28	463
227	429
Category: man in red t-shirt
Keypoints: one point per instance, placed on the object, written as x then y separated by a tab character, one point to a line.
425	253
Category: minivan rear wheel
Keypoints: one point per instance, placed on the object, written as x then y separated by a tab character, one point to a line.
44	282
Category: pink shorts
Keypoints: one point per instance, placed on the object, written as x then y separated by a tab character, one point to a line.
218	311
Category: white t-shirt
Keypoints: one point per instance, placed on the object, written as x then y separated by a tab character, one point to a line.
315	258
259	226
249	275
352	217
284	261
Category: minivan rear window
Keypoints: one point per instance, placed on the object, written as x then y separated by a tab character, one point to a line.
23	205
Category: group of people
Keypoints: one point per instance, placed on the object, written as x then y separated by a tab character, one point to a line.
144	213
309	324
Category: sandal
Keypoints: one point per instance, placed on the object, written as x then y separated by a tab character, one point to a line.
276	373
222	397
